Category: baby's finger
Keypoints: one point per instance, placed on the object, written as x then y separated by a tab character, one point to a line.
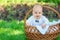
56	27
51	31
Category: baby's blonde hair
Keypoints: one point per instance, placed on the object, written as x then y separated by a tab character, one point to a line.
37	5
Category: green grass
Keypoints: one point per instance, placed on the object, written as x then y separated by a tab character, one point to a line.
13	30
58	38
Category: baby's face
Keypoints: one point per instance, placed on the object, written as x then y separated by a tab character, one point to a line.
37	12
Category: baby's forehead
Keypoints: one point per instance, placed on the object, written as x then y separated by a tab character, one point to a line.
37	7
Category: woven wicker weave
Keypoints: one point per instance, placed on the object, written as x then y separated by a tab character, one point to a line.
36	35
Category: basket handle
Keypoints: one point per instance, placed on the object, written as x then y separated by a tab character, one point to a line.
43	6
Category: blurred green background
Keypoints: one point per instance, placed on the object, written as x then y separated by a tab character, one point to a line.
12	13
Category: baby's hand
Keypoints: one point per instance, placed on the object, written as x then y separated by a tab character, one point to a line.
43	26
28	24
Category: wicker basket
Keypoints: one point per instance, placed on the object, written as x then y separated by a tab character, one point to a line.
36	35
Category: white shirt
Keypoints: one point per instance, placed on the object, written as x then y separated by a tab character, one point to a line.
38	23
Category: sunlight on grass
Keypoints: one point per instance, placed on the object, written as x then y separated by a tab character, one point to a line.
0	20
16	32
11	31
22	21
18	22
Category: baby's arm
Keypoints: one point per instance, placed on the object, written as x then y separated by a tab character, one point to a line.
28	22
50	30
45	22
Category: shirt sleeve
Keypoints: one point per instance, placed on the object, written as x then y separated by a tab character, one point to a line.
29	20
46	21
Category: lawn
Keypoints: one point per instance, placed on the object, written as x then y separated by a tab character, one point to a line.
13	30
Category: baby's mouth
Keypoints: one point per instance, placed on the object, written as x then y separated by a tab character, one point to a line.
37	16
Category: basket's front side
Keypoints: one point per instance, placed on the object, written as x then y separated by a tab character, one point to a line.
36	35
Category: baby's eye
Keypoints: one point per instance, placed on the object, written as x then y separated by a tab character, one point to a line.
39	12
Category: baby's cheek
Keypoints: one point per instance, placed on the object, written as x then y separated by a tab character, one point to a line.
40	15
34	15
